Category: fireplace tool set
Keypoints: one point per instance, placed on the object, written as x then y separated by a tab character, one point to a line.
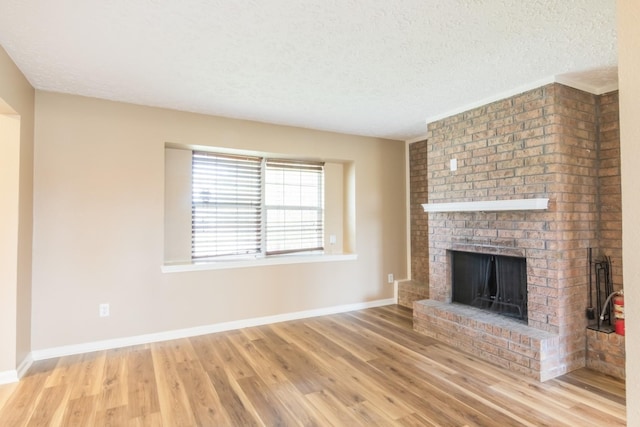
600	316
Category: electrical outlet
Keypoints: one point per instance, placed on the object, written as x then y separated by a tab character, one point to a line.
104	310
390	278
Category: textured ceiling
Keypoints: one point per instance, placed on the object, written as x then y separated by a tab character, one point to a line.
367	67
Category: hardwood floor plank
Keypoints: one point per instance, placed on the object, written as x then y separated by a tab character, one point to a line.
232	359
6	390
79	411
19	406
299	406
579	395
269	408
459	411
148	420
608	387
391	342
366	367
371	391
304	380
206	352
64	368
477	388
90	375
562	415
232	402
261	365
466	364
334	411
203	399
415	420
142	395
115	391
112	417
391	330
301	362
50	408
402	319
368	414
271	336
309	339
172	396
589	414
334	332
180	350
418	402
349	378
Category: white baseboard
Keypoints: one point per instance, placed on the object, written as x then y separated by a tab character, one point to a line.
200	330
25	365
14	375
8	377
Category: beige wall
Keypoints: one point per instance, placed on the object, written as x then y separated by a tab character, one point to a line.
99	221
9	201
16	198
629	83
177	205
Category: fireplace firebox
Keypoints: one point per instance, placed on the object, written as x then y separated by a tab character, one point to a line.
491	282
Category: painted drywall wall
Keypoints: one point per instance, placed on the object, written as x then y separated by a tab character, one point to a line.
628	71
16	200
177	205
9	201
98	223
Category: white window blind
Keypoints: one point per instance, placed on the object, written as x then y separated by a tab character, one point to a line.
226	205
294	205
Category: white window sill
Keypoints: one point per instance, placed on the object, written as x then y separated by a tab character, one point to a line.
257	262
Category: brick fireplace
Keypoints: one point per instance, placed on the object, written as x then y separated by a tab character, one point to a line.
550	142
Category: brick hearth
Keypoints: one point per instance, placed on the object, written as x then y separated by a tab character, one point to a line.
506	342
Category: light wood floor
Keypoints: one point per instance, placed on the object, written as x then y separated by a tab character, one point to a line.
361	368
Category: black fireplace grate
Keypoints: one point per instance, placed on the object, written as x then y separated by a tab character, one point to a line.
491	282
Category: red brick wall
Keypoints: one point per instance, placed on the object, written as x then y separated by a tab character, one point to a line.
606	352
541	143
609	184
419	221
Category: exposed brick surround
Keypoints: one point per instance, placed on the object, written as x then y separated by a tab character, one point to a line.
610	190
419	221
410	291
554	142
606	353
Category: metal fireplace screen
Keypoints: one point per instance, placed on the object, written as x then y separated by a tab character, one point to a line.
491	282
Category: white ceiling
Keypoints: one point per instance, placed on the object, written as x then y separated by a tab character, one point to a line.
367	67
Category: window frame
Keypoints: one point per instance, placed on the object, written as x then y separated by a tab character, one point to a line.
313	171
263	226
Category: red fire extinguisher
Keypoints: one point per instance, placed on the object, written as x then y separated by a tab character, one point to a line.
618	312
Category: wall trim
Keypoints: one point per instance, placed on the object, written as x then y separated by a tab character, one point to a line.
8	377
14	375
69	350
25	365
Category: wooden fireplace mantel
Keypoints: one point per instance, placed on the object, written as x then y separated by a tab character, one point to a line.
489	205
